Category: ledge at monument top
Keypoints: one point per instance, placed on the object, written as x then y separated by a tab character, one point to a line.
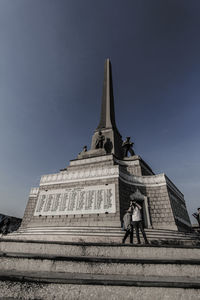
101	158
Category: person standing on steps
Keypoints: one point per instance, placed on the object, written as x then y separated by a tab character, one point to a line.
127	219
137	221
197	216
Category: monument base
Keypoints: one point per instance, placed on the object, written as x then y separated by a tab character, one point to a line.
95	193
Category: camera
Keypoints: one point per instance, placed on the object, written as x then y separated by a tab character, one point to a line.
132	203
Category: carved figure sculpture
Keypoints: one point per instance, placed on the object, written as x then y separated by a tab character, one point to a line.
99	141
108	145
127	147
84	149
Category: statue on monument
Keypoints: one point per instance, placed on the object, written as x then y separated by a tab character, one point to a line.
99	141
84	149
108	145
127	147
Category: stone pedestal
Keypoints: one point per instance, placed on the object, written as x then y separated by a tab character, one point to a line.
92	153
95	192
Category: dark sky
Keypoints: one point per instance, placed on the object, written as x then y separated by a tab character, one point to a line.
52	55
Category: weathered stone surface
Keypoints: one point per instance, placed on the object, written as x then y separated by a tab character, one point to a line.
17	290
99	249
96	265
38	290
51	270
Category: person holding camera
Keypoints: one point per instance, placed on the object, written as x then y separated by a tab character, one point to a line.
197	216
137	220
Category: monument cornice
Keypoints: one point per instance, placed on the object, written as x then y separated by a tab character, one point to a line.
102	173
105	173
80	175
154	180
133	161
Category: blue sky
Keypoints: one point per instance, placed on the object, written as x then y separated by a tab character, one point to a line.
51	71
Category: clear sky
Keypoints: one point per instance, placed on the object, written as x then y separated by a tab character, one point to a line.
52	56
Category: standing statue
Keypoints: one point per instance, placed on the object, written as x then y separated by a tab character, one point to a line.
127	147
99	141
84	149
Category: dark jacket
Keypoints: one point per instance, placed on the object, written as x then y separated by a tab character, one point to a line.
127	220
197	216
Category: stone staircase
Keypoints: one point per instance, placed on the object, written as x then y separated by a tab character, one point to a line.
103	234
34	269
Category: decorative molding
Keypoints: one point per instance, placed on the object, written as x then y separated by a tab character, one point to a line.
154	180
82	175
34	192
134	162
102	173
86	174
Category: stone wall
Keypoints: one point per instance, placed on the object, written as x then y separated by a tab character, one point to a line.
180	211
160	209
28	213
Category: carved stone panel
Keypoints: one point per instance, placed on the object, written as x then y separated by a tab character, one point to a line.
73	201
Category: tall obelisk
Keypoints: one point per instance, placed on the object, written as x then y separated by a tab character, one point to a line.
107	125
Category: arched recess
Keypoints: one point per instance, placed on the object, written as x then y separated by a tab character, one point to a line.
142	199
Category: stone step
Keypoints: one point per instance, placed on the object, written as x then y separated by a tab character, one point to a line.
100	229
56	285
111	234
105	237
99	265
100	239
99	279
151	235
105	250
47	270
114	232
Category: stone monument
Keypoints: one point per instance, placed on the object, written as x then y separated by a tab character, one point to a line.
86	200
69	245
